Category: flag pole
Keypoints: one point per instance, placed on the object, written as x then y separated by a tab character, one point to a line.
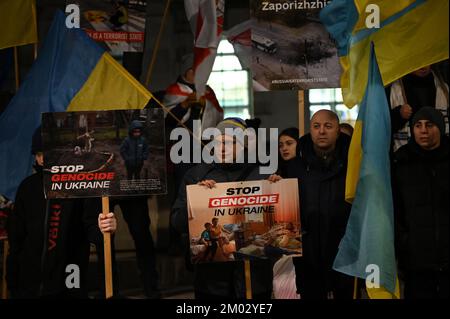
152	64
301	112
107	252
16	69
355	289
35	45
166	109
5	254
35	49
248	280
157	44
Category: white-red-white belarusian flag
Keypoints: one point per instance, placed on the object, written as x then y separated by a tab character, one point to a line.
179	92
240	36
206	19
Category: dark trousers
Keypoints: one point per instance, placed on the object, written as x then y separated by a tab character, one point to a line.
175	237
426	285
135	213
134	172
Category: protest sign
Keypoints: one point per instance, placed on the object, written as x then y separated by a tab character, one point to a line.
239	220
106	153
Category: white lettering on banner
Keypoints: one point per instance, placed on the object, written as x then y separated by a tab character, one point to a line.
87	185
67	169
73	19
243	200
294	5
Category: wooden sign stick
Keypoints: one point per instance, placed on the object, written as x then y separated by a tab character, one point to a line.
248	279
107	253
5	254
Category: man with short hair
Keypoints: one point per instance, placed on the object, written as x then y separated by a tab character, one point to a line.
421	188
321	168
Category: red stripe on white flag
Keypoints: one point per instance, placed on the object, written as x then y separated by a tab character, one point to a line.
240	37
206	19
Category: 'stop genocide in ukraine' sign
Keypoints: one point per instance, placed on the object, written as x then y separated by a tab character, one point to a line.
109	153
237	220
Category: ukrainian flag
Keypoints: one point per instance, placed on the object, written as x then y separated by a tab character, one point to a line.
18	23
71	73
369	237
412	34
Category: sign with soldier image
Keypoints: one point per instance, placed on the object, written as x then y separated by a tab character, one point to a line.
105	153
291	49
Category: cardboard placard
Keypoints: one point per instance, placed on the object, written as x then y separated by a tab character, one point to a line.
106	153
255	219
292	50
118	27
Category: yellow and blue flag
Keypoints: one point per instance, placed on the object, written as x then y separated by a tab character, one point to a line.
71	73
412	34
18	19
369	237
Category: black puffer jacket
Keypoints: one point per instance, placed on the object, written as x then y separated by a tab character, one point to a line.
323	209
134	150
421	199
222	279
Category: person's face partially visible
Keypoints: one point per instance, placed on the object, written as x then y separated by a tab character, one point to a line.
287	147
422	72
190	76
427	135
215	222
228	148
39	158
324	131
346	130
136	133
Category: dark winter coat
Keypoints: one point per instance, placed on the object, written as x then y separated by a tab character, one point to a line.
323	210
45	237
421	199
227	278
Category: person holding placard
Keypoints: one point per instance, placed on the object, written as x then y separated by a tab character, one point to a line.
223	280
49	247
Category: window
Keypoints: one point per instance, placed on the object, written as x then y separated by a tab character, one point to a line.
230	82
331	99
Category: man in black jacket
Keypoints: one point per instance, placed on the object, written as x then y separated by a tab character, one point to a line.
223	280
421	189
46	236
321	168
